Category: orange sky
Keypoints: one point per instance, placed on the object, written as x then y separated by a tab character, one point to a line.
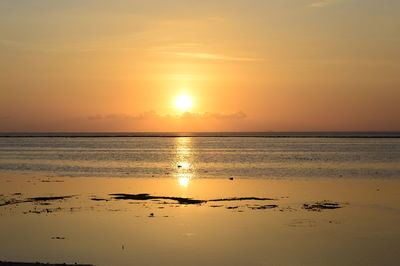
266	65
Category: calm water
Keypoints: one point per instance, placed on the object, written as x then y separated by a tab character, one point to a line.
202	157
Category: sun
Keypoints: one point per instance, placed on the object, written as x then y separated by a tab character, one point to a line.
183	102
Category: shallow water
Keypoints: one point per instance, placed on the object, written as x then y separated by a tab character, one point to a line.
202	157
361	175
163	232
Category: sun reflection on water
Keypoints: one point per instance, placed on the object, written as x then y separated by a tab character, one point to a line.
184	181
184	165
184	158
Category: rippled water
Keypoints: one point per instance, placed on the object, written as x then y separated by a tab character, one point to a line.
202	157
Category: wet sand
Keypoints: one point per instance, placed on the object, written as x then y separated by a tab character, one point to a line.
117	221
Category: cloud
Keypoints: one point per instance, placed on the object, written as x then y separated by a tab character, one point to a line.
154	115
208	56
142	116
320	3
219	116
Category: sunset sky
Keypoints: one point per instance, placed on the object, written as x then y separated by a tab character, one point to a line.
254	65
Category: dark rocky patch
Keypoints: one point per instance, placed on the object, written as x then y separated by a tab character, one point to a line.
322	205
146	196
180	200
263	207
10	202
99	199
46	210
287	209
58	237
47	198
37	199
241	198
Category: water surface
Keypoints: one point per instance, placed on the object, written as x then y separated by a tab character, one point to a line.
202	156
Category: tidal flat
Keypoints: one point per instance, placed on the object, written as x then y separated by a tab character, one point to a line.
153	221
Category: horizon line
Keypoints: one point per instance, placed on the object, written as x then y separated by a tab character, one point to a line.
256	134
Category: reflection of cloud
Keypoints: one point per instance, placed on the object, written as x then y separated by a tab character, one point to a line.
208	56
154	115
320	3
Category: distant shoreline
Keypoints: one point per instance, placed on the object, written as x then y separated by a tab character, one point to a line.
204	134
9	263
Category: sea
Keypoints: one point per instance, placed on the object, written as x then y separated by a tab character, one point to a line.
272	155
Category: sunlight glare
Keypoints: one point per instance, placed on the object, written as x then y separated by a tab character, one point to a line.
183	165
183	102
183	181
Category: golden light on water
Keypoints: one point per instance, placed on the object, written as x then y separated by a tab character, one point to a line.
184	161
183	102
184	181
184	165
